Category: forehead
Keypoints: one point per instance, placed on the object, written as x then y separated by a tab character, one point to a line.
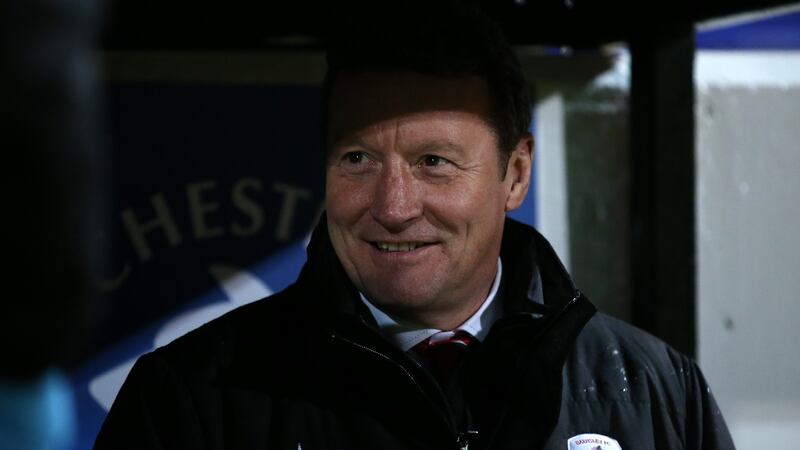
358	100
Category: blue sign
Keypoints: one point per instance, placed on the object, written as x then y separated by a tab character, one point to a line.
216	188
778	32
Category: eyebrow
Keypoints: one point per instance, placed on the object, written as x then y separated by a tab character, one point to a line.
344	141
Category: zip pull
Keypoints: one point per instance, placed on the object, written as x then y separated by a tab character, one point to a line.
465	438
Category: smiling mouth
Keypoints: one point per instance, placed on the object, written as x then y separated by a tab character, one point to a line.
399	246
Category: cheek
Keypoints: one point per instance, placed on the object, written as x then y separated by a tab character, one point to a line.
345	201
466	206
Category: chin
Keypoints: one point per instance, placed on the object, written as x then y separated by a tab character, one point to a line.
399	298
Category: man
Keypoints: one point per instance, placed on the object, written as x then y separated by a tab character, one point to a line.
423	319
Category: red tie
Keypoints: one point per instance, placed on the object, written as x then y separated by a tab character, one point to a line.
444	351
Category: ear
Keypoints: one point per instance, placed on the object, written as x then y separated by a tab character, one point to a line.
518	173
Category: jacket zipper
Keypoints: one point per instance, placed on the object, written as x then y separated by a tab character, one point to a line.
462	439
559	313
466	438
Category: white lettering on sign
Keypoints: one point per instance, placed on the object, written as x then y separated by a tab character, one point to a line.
163	220
212	213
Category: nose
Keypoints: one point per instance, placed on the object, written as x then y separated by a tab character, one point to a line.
396	201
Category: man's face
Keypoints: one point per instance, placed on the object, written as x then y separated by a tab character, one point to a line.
415	196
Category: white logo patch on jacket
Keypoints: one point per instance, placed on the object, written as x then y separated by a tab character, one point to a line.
592	441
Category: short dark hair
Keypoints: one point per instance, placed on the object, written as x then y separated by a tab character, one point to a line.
442	38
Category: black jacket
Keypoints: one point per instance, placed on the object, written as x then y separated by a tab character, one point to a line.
307	369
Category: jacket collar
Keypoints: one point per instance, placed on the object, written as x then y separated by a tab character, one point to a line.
537	282
323	276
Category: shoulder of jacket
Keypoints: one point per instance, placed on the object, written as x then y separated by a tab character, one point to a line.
616	361
615	335
265	323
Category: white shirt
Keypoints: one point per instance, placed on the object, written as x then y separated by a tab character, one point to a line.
405	335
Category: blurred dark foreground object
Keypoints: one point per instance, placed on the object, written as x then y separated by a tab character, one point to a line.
51	142
50	132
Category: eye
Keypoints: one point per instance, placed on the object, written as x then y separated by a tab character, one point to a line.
432	161
357	162
355	157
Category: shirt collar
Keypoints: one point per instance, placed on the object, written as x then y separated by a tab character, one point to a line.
406	336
